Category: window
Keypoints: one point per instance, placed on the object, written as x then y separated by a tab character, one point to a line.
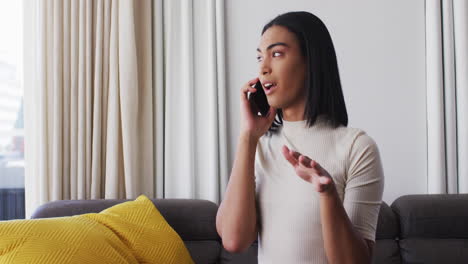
11	112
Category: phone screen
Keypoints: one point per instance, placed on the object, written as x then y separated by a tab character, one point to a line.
259	100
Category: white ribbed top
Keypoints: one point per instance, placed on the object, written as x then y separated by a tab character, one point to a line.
288	207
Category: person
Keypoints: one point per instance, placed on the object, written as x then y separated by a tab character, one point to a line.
305	185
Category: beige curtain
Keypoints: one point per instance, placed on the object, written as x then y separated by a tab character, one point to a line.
88	100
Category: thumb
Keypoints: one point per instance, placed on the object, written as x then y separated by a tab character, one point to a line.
324	180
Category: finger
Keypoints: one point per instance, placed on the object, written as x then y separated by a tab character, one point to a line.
295	154
288	156
305	174
291	159
311	171
308	162
317	166
253	81
244	91
304	160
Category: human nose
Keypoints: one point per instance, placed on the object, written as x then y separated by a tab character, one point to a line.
265	67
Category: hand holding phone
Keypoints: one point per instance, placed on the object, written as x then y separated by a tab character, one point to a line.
259	100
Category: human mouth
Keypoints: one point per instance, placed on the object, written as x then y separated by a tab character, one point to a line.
270	87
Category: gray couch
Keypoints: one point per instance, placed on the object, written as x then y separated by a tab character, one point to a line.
414	229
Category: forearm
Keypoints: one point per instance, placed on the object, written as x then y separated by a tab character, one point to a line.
236	219
342	243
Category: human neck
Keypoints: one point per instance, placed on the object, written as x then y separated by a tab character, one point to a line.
294	113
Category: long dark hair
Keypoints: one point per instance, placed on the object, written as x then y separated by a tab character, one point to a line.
324	95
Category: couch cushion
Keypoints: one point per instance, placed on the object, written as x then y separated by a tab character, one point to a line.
204	251
130	232
433	228
386	251
434	251
194	220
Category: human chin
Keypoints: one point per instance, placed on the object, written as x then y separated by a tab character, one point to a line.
277	102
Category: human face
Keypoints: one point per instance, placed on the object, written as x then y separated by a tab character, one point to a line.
281	63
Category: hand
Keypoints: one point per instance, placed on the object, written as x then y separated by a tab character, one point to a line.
252	124
310	171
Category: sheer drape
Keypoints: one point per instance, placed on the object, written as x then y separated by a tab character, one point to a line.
195	136
447	95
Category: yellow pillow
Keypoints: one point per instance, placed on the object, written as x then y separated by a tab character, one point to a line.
130	232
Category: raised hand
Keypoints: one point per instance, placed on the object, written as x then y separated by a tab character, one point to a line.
310	171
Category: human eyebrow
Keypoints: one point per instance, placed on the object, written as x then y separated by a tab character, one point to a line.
274	45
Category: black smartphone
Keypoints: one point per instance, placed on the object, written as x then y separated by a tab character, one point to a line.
259	100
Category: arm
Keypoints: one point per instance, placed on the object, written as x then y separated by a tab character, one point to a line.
361	204
345	224
342	243
236	220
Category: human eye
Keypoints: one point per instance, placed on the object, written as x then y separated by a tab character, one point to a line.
259	58
277	54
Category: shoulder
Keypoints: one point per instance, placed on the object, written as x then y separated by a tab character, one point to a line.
364	156
363	142
359	148
355	138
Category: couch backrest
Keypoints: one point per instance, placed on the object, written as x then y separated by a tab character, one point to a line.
434	228
386	250
416	229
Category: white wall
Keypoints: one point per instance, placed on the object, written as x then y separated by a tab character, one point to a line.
380	47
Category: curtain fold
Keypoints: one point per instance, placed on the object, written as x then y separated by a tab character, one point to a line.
460	17
125	97
447	95
158	95
195	138
89	100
